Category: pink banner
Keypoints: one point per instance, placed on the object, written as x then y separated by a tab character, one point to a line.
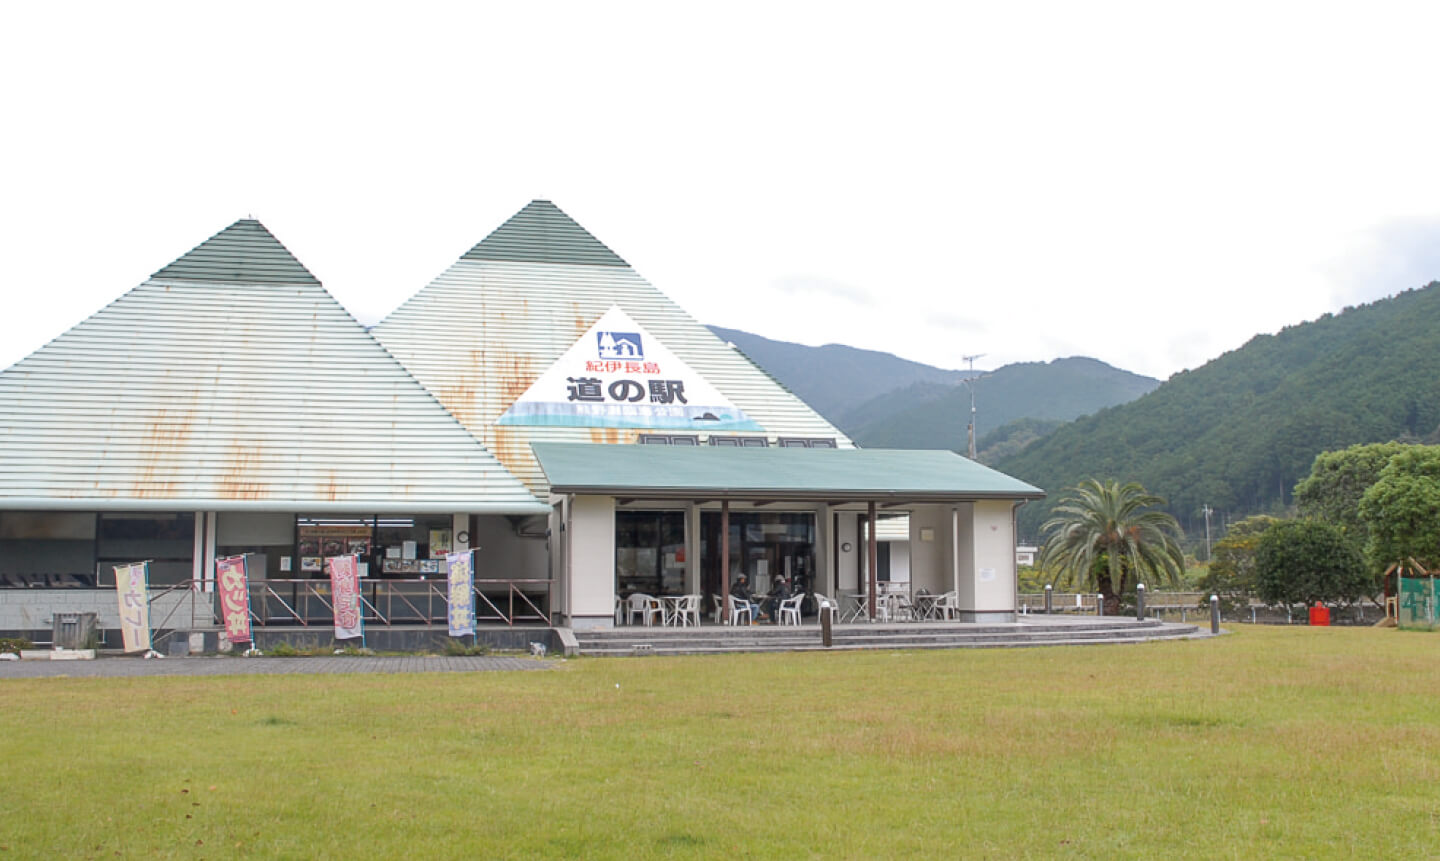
232	581
345	589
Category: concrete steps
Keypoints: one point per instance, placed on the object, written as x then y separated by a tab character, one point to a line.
1032	631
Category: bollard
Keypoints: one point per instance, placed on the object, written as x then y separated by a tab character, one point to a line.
1140	602
826	614
1049	599
1214	614
1099	605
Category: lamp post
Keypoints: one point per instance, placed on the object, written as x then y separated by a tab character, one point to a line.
970	386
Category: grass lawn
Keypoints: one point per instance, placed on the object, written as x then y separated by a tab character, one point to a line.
1272	742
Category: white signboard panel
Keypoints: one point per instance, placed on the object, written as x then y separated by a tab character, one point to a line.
620	376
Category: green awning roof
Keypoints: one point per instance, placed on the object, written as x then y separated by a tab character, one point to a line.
727	472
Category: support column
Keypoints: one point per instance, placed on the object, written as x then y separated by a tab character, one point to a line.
873	556
725	561
212	520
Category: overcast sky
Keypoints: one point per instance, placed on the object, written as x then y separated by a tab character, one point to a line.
1149	184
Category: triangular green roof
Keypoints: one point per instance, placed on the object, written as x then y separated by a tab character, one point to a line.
245	251
232	380
483	332
542	233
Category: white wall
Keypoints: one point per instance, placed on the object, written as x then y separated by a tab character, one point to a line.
931	562
591	541
994	559
499	552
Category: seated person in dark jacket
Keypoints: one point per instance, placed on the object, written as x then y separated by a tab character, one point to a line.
740	591
779	591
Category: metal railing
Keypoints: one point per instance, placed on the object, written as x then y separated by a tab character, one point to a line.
398	602
307	603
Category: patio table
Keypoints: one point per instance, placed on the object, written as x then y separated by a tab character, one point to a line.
861	607
670	609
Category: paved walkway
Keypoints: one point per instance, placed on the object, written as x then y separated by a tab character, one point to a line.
229	666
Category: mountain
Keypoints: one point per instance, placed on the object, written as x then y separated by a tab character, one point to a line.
883	401
1238	433
925	415
834	378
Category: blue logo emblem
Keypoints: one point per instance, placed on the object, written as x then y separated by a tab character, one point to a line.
624	346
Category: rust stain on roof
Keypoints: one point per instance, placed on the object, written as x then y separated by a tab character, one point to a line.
611	436
162	452
511	446
515	378
330	488
238	480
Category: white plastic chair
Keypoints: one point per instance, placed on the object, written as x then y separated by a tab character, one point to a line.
688	613
947	606
644	606
898	607
790	608
739	608
821	602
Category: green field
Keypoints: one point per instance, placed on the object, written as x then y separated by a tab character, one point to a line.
1271	742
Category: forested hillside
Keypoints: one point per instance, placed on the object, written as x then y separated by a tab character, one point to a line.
930	416
883	401
1240	431
834	378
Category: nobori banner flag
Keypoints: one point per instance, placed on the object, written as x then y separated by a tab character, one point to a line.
462	593
345	590
232	581
132	585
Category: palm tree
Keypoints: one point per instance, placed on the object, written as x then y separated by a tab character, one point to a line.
1104	535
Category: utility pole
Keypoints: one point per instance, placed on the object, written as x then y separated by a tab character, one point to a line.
970	384
1207	511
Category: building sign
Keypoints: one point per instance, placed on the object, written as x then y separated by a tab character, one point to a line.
620	376
462	593
345	592
232	581
132	584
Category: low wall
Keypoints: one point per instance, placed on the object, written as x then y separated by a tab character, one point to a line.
29	613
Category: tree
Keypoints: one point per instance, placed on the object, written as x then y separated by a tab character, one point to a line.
1401	510
1305	561
1110	536
1337	481
1231	576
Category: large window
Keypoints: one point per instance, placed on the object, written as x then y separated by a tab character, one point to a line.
763	546
650	552
167	540
389	545
47	548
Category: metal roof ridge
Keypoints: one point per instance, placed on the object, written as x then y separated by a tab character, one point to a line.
244	248
542	232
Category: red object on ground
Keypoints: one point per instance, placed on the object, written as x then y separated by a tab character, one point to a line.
1320	615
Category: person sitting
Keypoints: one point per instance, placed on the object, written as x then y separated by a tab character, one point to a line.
740	591
779	591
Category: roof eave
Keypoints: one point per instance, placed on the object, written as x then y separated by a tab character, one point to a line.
362	506
811	495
